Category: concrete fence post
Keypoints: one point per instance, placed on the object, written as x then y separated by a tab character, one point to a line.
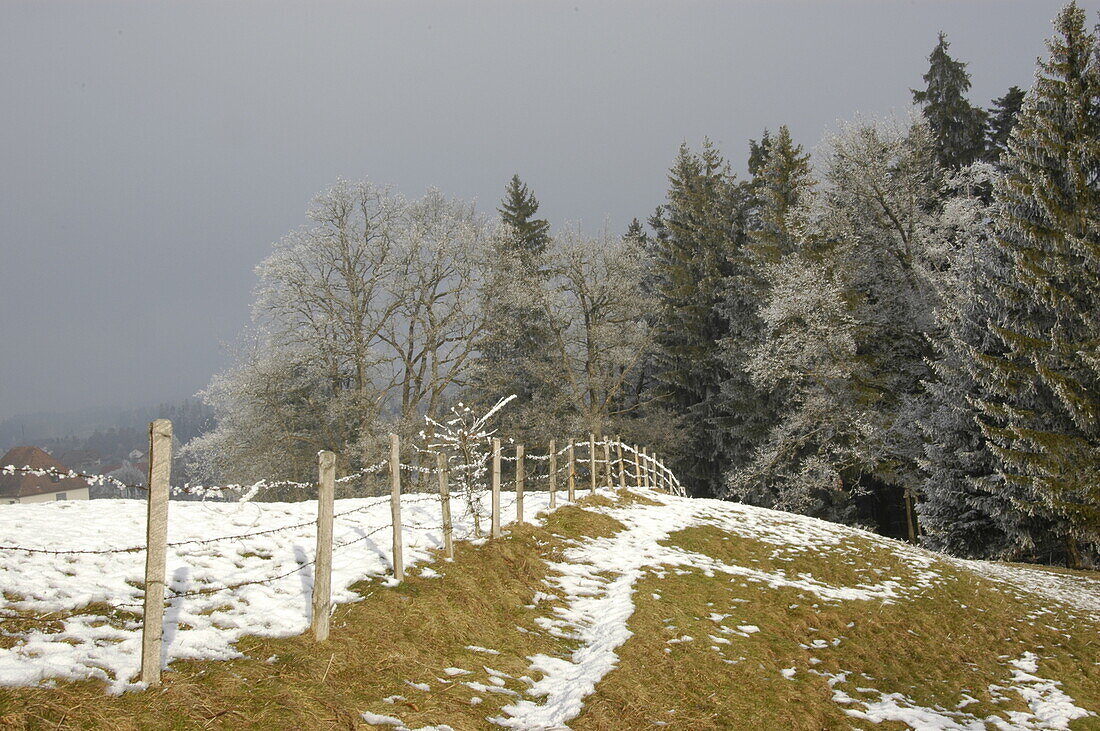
395	507
496	489
553	476
322	563
156	549
445	504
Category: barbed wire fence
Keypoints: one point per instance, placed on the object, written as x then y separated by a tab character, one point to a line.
606	462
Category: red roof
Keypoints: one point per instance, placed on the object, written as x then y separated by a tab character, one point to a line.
25	485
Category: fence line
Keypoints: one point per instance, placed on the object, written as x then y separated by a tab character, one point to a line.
636	466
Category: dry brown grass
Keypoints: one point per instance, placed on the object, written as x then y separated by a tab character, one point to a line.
409	633
952	639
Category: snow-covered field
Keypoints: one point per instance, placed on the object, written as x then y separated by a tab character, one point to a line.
595	584
199	625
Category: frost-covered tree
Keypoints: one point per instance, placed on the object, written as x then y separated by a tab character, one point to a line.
515	334
1042	414
587	296
958	129
964	508
363	320
846	316
779	191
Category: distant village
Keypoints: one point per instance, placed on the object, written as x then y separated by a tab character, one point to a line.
119	452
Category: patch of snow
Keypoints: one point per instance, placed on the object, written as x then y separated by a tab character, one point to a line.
204	623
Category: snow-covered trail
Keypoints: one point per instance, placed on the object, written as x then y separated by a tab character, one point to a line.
595	583
197	626
597	578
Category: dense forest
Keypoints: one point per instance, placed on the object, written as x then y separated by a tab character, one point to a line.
900	333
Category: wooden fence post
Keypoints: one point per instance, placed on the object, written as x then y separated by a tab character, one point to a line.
572	485
156	549
607	461
519	482
592	462
445	504
322	561
553	476
637	467
395	507
496	489
622	464
645	468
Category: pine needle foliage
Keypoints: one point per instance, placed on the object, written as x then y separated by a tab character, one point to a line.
958	128
700	231
1043	413
518	210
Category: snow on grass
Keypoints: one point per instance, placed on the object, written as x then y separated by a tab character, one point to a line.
597	580
1075	592
1048	706
203	626
589	599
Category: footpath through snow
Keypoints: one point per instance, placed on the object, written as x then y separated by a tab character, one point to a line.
595	582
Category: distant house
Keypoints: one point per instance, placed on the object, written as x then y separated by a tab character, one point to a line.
28	488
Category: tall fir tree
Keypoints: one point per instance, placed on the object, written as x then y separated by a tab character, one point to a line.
758	153
1002	118
518	210
700	232
964	508
958	129
1042	416
845	322
782	183
780	187
514	337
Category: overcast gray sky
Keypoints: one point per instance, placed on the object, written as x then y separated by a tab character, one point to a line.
150	152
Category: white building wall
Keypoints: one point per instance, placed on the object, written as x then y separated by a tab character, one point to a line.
80	493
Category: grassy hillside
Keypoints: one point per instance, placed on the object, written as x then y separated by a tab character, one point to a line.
629	612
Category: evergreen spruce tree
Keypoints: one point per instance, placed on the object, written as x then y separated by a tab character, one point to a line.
964	509
514	338
699	234
758	153
780	186
958	129
1002	118
1043	413
518	210
782	182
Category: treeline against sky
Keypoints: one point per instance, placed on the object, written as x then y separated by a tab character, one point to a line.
903	335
